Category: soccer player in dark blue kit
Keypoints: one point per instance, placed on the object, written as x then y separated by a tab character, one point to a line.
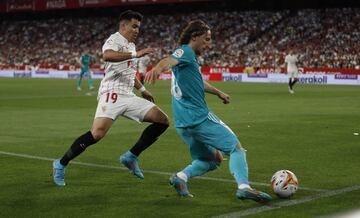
204	133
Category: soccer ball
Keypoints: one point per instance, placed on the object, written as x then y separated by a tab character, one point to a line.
284	183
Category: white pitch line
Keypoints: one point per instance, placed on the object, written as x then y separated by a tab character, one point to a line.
146	171
288	203
42	97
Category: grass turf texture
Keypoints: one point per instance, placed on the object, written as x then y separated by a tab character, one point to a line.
309	133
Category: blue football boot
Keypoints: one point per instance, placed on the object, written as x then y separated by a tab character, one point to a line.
129	160
180	186
254	195
58	173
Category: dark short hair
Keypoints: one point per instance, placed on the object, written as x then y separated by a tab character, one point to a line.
129	14
193	28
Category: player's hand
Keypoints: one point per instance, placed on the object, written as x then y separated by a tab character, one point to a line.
225	97
151	77
147	95
144	52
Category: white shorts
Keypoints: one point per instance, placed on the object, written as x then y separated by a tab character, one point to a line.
293	74
112	105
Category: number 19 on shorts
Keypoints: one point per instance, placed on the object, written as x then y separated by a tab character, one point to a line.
111	97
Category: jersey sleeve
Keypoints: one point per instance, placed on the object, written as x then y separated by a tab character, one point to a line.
286	59
146	60
182	55
110	44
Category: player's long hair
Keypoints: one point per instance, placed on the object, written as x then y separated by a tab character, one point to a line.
193	28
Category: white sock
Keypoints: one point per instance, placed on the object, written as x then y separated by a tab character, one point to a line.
243	186
182	176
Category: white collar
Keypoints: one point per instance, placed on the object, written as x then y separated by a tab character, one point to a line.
121	36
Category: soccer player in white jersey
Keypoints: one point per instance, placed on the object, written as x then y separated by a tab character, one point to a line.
292	70
116	98
142	64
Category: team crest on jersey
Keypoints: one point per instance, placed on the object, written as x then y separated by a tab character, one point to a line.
110	42
178	53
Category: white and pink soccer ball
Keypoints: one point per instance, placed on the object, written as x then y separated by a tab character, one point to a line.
284	183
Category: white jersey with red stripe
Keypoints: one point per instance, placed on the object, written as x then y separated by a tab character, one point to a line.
119	76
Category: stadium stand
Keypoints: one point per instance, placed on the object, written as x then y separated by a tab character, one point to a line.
323	37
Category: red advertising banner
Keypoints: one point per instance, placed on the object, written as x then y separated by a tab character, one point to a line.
330	71
212	76
215	72
2	6
55	4
43	5
216	69
206	76
20	5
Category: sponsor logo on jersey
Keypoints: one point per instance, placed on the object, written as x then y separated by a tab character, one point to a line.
110	41
178	53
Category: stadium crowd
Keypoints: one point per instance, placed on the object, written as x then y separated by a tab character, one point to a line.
322	38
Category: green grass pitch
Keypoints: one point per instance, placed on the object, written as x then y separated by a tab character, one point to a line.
310	133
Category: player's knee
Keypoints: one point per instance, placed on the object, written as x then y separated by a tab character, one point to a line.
165	122
155	115
218	157
161	117
215	163
164	119
98	134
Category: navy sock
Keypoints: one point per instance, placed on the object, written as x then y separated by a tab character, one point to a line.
79	145
293	82
148	137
